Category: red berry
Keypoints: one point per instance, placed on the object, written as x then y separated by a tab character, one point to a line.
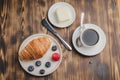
55	56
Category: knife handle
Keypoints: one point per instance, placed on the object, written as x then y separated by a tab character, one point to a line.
47	25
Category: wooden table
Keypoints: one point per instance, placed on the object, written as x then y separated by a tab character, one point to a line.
22	18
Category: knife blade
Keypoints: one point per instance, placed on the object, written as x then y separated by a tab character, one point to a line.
52	30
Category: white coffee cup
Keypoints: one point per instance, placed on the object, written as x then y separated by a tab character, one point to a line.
88	37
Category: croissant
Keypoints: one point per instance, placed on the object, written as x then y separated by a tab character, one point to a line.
35	49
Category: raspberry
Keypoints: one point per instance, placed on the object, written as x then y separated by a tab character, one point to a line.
55	56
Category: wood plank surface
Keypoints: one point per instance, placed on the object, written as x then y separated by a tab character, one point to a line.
22	18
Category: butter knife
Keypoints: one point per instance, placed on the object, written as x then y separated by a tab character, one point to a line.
52	30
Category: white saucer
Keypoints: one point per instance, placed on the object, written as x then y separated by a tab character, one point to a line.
91	51
52	18
44	59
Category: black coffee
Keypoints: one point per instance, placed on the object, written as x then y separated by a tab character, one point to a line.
90	37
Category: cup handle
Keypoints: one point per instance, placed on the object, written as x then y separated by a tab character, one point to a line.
78	42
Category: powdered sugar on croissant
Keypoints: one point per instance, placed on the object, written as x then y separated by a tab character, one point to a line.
35	49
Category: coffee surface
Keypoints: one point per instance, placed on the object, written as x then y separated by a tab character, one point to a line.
90	37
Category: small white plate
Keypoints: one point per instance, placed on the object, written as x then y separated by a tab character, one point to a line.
52	18
44	59
91	51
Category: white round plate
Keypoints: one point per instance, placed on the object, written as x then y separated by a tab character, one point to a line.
52	16
90	51
44	59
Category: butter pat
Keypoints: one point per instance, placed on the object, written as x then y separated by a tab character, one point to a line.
62	14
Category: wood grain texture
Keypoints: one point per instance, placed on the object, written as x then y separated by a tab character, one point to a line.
22	18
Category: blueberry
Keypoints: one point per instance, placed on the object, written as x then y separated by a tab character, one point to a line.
38	63
42	71
54	48
30	68
47	64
